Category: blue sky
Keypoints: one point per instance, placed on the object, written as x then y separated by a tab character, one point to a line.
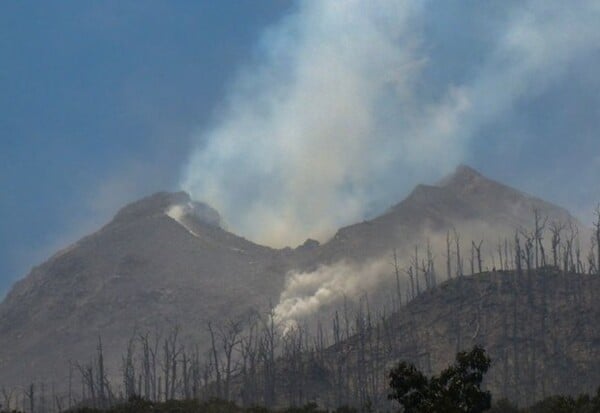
98	104
103	102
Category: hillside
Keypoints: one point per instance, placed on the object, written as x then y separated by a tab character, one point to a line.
466	200
143	270
166	260
539	328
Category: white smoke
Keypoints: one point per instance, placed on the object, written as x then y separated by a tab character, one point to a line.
331	122
308	292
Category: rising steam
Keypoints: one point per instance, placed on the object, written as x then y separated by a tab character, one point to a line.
306	293
332	122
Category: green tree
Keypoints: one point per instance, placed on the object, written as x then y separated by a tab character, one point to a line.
457	389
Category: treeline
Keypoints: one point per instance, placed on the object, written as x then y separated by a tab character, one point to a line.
555	404
255	360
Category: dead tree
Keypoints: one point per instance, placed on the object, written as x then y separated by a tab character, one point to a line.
207	375
268	347
580	268
415	265
472	260
30	395
556	228
540	226
146	367
477	249
70	387
431	266
88	382
171	351
7	396
508	255
229	341
518	263
186	374
592	267
397	274
149	365
529	251
411	278
459	263
500	258
597	236
196	376
568	259
249	352
101	379
215	358
129	370
448	256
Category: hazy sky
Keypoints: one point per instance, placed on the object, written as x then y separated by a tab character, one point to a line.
302	110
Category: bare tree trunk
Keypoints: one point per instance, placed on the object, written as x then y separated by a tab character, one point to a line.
30	394
431	265
7	396
412	282
459	263
519	267
556	228
129	370
101	380
477	248
472	261
416	265
229	341
448	256
215	360
397	273
540	225
597	234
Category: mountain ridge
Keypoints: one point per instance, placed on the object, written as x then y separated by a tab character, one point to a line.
148	267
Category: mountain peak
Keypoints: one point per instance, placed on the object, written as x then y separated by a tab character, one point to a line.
177	205
152	205
463	175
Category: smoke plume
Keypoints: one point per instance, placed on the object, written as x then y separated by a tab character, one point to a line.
343	109
307	293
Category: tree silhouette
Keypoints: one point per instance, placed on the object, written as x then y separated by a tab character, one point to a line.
457	389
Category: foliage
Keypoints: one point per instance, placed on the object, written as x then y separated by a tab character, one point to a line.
504	406
568	404
139	405
457	389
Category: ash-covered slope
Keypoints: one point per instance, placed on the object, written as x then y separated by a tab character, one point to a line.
539	328
165	260
477	207
161	261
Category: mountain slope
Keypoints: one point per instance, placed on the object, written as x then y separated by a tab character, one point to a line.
477	207
165	260
143	270
539	329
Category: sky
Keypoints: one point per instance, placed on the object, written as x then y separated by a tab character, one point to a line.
291	118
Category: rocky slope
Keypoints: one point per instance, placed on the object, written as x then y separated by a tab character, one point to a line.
143	271
466	200
166	260
540	330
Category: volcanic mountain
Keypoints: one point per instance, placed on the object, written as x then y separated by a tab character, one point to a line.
477	207
167	260
161	261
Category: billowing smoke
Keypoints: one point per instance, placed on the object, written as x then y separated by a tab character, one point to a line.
307	293
342	113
